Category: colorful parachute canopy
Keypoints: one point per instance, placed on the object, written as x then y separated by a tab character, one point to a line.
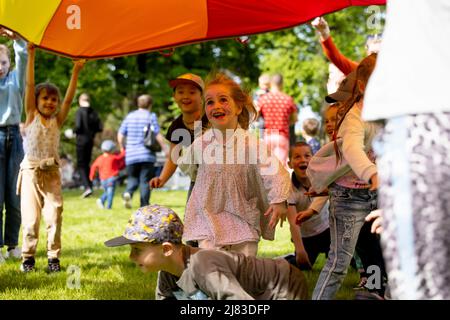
108	28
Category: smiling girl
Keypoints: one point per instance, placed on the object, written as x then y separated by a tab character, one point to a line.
39	180
240	192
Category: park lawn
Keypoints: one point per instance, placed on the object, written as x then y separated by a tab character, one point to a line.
92	271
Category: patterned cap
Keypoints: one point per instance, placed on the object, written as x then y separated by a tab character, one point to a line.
188	78
151	224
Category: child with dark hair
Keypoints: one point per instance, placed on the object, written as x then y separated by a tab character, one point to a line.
188	95
307	216
39	180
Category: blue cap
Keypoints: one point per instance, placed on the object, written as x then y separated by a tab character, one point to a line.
108	146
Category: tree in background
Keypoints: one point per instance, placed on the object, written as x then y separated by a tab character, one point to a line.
114	84
297	53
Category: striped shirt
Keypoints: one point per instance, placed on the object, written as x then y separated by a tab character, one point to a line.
133	129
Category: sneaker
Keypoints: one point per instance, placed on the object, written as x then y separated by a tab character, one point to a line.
27	265
100	204
53	265
127	200
86	193
13	253
362	284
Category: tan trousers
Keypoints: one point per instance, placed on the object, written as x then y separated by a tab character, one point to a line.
41	195
249	248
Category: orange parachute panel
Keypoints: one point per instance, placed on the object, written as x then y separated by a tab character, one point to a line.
110	28
117	27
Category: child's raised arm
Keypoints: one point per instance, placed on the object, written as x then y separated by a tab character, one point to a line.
62	115
30	99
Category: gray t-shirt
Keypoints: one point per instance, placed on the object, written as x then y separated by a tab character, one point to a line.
223	275
318	223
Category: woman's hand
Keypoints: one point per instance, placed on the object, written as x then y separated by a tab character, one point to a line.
321	25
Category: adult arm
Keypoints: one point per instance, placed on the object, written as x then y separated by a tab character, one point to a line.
333	54
294	113
21	57
331	51
121	141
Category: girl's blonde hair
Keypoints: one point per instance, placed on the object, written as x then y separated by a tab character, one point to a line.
240	97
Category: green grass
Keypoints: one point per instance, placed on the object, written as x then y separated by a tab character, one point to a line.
107	273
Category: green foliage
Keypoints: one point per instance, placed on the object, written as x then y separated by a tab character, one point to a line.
296	53
114	84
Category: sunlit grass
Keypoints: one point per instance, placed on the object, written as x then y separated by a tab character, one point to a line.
93	271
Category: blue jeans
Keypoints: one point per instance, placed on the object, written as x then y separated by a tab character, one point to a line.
139	175
348	208
11	155
109	186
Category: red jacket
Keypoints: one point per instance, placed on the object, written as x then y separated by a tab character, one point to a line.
337	58
108	165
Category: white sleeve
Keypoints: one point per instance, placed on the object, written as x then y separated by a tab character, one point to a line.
318	203
352	133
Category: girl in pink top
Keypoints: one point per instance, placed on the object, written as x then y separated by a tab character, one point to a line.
241	191
352	196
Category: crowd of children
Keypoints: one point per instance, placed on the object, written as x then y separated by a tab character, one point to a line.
237	183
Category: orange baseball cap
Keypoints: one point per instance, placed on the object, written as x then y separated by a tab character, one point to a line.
188	78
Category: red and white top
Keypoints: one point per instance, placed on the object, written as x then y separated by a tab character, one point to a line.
108	165
276	107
